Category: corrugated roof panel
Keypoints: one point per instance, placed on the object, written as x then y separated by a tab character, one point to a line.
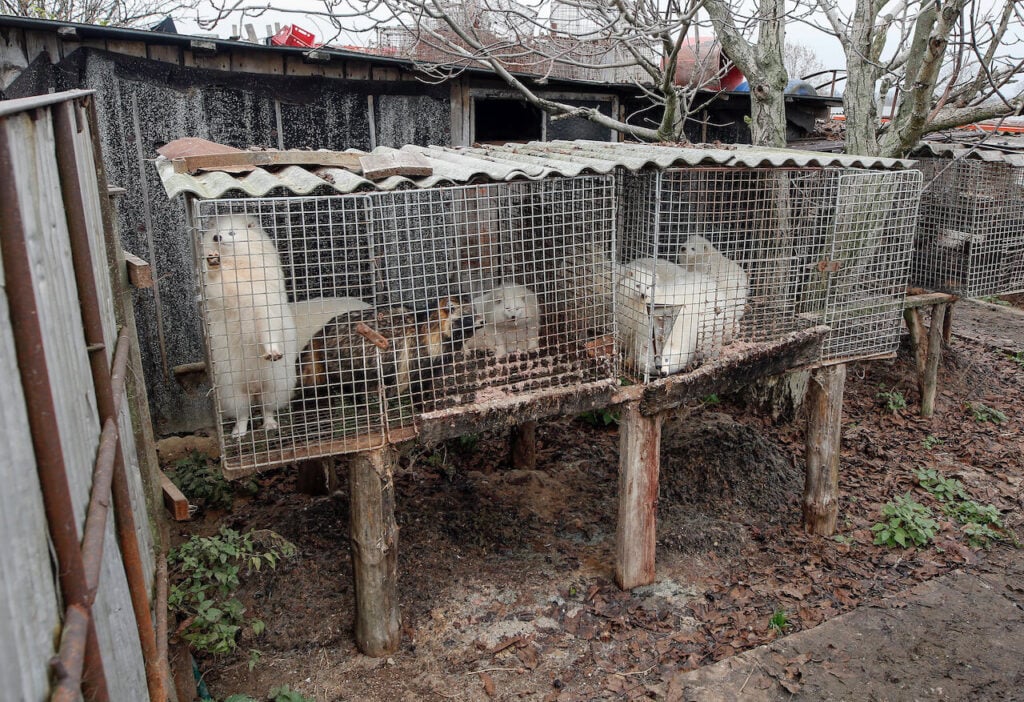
994	155
533	161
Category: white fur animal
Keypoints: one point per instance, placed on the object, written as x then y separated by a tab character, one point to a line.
654	294
252	331
509	319
698	254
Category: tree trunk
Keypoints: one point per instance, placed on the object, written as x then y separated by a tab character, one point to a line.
523	446
860	107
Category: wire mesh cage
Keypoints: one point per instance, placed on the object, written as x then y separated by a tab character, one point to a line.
715	260
858	227
334	323
970	233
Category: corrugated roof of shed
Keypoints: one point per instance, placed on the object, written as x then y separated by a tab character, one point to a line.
1009	151
532	161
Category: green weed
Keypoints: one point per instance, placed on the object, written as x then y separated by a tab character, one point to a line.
779	621
943	488
907	521
207	572
931	441
984	413
600	417
892	400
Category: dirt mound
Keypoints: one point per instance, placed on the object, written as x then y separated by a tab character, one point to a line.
714	463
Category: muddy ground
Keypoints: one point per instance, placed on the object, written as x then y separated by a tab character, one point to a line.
506	587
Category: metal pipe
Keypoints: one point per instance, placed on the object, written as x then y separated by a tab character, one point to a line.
42	415
67	667
66	124
99	506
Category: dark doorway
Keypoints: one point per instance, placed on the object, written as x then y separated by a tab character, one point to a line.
500	120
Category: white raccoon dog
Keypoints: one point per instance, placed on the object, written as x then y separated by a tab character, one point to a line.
509	319
253	345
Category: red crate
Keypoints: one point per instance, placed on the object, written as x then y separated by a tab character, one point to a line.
293	35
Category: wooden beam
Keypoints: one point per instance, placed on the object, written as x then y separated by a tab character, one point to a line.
374	537
140	273
175	502
734	371
271	157
635	535
927	299
824	434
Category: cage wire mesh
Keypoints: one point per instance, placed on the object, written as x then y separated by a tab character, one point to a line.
332	322
706	266
859	228
970	232
715	260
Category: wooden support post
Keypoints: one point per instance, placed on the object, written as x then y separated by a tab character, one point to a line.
928	375
635	537
374	535
947	325
316	476
824	433
523	446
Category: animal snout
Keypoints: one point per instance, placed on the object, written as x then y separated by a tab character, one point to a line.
217	238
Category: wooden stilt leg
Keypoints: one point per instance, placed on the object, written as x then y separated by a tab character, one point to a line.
523	446
374	535
824	432
929	374
639	454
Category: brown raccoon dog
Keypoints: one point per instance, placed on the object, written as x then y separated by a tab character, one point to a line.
362	351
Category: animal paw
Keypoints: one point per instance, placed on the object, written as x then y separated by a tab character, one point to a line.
270	424
240	430
273	354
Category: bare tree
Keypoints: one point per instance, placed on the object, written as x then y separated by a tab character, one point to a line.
800	60
527	42
950	63
120	13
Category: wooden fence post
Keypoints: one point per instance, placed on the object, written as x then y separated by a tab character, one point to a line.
635	537
374	535
824	434
523	446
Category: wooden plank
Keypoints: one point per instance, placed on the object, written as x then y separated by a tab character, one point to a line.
374	537
927	299
384	165
731	372
824	434
222	161
513	410
262	62
127	48
165	53
635	534
357	70
140	273
296	66
929	376
174	500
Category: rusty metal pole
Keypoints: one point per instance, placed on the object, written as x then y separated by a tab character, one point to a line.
42	416
69	120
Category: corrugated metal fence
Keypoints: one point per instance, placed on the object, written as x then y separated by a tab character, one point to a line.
73	583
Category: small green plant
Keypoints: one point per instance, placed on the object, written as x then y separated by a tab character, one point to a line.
906	521
1017	358
468	442
944	489
931	441
711	399
892	400
202	483
994	300
207	572
969	511
984	413
779	621
981	535
600	417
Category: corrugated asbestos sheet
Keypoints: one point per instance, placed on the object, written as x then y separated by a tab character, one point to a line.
990	150
533	161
